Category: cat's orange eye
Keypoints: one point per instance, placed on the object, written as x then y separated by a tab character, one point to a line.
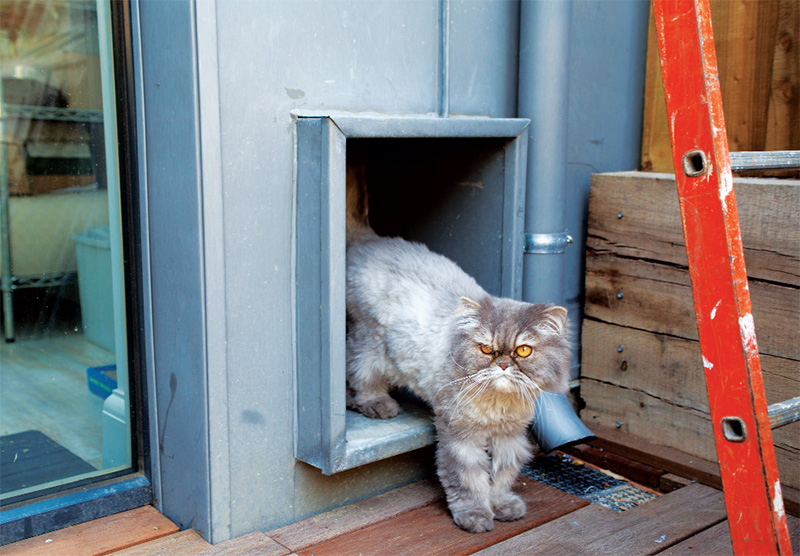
486	349
524	351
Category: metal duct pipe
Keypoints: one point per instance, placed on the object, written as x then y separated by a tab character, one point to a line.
543	98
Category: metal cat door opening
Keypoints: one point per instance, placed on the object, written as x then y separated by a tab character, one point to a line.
455	184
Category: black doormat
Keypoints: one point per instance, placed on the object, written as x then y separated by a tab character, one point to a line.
574	476
32	458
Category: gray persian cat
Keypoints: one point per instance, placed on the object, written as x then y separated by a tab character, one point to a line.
416	320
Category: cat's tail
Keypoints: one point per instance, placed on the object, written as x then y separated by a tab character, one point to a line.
357	210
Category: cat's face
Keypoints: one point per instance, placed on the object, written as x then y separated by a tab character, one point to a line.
509	348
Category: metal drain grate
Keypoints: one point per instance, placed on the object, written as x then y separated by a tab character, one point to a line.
575	477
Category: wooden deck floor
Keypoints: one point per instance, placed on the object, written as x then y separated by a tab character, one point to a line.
413	520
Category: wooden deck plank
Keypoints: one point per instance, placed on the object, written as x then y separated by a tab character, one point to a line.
430	529
254	544
673	461
183	543
646	529
717	540
573	526
98	537
317	529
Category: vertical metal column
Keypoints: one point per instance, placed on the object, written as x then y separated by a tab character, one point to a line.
736	398
7	282
543	98
443	101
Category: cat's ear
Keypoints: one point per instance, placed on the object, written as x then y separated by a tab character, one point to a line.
467	307
554	320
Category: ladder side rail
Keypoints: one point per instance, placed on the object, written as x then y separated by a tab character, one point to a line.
735	387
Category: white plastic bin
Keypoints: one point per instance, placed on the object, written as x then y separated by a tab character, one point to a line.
93	254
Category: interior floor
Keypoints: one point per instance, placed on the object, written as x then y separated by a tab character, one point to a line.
43	382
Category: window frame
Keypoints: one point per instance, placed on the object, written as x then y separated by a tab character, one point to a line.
88	499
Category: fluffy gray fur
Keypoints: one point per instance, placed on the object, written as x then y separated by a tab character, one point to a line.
415	319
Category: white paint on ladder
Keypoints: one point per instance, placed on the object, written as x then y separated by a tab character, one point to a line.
714	310
777	500
748	330
707	364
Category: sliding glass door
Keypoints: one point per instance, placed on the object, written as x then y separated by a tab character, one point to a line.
65	402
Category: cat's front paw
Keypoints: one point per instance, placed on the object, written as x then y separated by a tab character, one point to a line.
510	508
383	407
474	521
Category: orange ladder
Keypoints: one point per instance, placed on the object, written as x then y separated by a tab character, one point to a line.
703	165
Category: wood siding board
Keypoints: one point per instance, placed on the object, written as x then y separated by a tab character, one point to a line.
655	386
651	228
678	427
658	298
669	367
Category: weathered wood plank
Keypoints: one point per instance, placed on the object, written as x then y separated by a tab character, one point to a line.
658	298
645	529
667	366
94	538
254	544
317	529
670	482
716	540
183	543
650	226
571	528
671	425
673	460
670	369
430	530
638	300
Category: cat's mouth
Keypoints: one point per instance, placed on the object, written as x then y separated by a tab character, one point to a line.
504	384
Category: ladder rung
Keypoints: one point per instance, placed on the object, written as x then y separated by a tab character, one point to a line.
765	160
783	413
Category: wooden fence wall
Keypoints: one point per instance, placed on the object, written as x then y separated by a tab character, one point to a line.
758	54
641	367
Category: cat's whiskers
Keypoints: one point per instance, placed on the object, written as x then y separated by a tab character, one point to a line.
477	381
481	384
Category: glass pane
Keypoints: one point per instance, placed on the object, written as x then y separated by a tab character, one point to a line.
64	407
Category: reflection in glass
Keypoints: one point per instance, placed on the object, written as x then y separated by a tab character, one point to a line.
64	412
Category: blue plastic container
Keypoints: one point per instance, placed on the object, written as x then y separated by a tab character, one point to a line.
102	380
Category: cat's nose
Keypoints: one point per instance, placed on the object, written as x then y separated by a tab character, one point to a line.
503	366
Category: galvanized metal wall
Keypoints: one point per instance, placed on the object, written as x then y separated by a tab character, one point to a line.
219	80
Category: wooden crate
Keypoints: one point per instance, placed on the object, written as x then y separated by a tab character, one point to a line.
642	369
758	55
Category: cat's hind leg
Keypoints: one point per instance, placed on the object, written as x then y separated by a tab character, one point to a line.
367	387
508	454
